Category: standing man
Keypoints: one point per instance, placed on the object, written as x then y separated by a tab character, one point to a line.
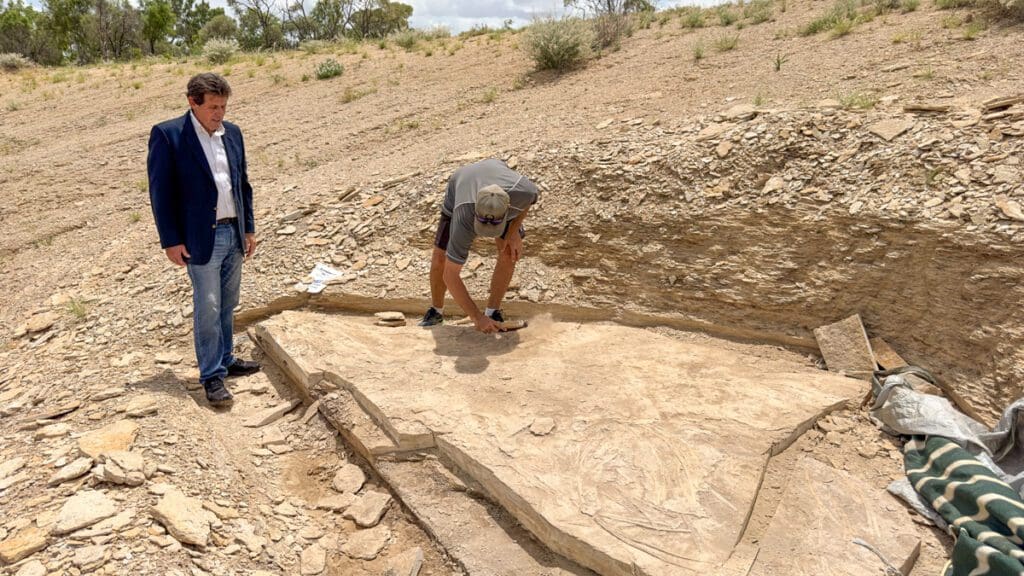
202	203
486	199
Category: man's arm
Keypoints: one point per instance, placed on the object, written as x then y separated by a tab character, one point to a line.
457	288
248	210
513	241
163	198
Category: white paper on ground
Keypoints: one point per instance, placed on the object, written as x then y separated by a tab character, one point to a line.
321	275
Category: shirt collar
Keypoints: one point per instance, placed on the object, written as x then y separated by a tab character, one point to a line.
202	131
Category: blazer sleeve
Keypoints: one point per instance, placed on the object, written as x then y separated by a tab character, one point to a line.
163	194
250	220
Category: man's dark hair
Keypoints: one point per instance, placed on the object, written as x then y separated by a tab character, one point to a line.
207	83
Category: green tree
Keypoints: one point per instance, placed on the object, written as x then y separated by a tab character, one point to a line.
157	22
65	25
190	18
378	18
220	26
258	26
331	18
26	31
113	31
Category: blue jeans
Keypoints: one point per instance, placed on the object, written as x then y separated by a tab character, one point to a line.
215	291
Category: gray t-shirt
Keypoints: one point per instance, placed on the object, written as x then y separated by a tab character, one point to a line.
460	199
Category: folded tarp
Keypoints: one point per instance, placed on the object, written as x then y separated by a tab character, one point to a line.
970	476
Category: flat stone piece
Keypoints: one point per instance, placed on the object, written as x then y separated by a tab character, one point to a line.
75	469
390	316
885	355
141	406
270	415
407	563
845	347
336	502
657	465
368	508
820	514
123	467
89	558
889	129
41	322
367	544
313	560
116	436
22	545
83	510
1010	208
349	479
184	518
11	466
32	568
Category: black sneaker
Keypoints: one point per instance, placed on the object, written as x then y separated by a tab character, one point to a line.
243	368
432	318
216	393
497	317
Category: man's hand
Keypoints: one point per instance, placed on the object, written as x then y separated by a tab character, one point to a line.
250	244
514	245
486	325
178	254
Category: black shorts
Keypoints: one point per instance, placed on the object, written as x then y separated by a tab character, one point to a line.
444	231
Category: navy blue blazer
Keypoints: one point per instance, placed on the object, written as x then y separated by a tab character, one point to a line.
183	193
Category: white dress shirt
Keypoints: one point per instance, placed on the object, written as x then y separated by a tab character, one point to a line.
217	158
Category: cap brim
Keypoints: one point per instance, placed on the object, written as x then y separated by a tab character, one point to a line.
489	230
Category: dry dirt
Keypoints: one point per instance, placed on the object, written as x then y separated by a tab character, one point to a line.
659	197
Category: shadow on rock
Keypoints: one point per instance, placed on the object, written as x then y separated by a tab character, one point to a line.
470	348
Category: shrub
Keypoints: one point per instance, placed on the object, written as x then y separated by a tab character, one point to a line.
698	51
558	44
758	11
693	18
435	33
609	30
407	39
909	5
329	69
858	101
219	50
313	46
726	17
726	43
971	30
841	11
951	4
11	61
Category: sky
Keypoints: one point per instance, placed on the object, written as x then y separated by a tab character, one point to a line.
460	15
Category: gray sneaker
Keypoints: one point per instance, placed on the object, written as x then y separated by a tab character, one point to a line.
432	318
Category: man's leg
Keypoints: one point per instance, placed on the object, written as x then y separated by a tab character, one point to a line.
206	313
437	287
231	284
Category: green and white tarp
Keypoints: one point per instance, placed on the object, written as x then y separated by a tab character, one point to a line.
964	477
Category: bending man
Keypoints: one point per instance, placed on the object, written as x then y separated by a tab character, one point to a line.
486	199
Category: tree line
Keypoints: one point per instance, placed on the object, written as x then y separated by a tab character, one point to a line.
85	31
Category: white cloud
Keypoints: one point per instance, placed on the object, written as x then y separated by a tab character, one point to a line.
459	15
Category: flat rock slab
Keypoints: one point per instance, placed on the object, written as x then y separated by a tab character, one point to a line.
890	129
184	517
22	545
348	479
845	347
407	563
270	415
116	436
367	544
658	446
885	355
821	512
82	510
368	508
